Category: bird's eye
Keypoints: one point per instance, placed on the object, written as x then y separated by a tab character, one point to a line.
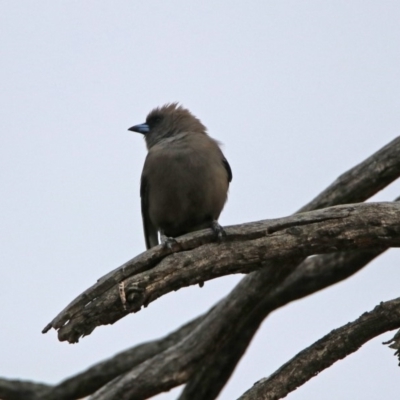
154	120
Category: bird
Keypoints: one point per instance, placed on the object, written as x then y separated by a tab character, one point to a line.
185	178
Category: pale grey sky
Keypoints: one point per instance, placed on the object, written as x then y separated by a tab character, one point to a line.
298	92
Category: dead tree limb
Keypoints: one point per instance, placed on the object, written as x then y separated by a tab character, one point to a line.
250	247
356	185
15	389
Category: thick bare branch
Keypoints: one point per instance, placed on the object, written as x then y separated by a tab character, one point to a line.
356	185
175	365
322	354
212	373
251	246
13	389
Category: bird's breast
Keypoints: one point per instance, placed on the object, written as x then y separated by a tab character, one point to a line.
187	185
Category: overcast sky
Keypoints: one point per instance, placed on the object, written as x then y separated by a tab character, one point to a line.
298	92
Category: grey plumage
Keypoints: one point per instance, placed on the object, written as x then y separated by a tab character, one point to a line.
185	177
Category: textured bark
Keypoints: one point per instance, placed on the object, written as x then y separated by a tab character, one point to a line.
14	389
250	247
175	365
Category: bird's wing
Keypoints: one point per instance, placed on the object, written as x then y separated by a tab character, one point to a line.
228	168
150	231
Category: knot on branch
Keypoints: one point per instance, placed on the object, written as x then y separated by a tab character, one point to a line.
132	295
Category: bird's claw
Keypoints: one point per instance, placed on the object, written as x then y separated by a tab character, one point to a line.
218	231
168	242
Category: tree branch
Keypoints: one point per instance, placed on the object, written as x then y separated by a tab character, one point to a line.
322	354
13	389
250	247
175	365
356	185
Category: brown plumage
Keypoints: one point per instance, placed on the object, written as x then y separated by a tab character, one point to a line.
185	177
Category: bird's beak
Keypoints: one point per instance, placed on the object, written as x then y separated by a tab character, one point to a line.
141	128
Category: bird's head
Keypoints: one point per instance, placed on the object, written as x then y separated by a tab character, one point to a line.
167	121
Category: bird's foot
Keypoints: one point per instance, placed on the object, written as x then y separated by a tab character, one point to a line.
168	242
218	231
